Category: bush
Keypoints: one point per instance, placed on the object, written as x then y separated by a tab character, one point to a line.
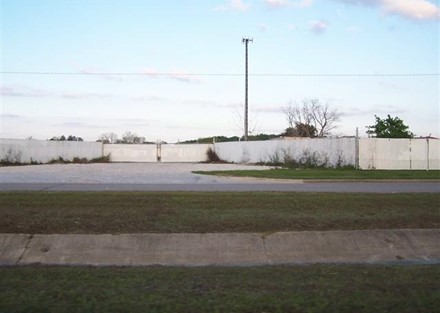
212	157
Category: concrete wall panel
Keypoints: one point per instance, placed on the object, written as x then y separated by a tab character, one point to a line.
184	152
26	151
131	153
333	151
399	154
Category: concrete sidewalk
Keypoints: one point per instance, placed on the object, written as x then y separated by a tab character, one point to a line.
223	249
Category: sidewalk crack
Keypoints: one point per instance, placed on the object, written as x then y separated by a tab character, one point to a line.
268	261
26	247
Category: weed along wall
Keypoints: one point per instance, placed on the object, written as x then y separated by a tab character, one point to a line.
328	152
42	151
374	153
395	154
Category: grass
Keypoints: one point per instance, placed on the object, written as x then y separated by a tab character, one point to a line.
314	288
59	160
193	212
350	174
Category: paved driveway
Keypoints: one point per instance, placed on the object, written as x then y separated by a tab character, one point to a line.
118	173
175	177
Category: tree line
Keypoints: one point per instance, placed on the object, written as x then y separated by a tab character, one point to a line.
310	118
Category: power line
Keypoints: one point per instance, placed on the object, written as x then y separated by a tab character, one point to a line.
219	74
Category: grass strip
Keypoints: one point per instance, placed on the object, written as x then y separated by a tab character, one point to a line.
350	174
314	288
203	212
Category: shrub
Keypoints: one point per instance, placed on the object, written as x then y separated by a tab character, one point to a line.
212	157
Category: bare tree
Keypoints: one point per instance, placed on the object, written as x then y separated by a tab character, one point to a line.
108	138
254	126
312	113
132	138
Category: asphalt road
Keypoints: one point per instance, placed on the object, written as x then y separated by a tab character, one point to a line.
177	177
368	187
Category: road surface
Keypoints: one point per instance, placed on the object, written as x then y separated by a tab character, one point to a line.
177	177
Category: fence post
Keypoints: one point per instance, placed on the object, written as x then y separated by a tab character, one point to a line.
356	150
427	154
159	150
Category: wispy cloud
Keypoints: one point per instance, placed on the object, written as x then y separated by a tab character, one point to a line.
175	75
353	29
277	3
288	3
269	109
376	110
262	27
12	116
233	5
419	10
318	27
90	71
22	91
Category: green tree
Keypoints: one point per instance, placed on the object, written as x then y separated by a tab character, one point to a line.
390	127
301	130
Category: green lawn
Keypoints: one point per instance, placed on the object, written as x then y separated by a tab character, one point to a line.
202	212
350	174
314	288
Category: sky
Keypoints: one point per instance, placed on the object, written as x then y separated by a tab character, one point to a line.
174	70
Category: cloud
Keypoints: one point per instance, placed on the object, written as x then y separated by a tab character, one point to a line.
262	27
182	77
176	75
318	27
277	3
419	10
12	116
71	124
233	5
353	29
269	109
288	3
22	92
412	9
375	110
292	27
91	71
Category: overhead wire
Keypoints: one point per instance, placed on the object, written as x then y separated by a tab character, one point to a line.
221	74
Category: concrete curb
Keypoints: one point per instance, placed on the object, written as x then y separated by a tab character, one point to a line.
223	249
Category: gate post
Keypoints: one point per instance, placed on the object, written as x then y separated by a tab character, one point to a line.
159	150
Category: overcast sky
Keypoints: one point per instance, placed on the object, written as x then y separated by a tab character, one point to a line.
171	52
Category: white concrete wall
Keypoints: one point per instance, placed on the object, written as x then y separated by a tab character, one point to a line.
131	153
374	153
331	150
396	154
150	152
26	151
184	152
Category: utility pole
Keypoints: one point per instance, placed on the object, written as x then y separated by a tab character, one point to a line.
246	126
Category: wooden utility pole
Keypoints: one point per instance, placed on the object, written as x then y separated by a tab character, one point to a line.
246	124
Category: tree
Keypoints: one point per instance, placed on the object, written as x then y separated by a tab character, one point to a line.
74	138
391	127
309	116
63	138
108	138
131	138
301	130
